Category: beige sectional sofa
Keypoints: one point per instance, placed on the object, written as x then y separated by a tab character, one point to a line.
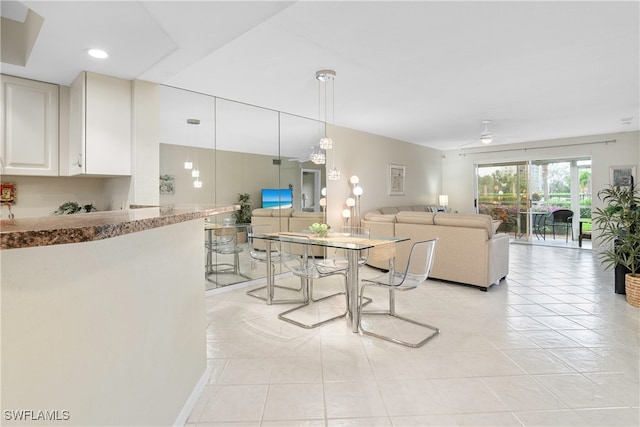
468	249
287	219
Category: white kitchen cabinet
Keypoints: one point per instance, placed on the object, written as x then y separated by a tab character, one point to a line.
29	141
99	126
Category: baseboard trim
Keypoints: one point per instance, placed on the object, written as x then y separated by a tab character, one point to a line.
183	416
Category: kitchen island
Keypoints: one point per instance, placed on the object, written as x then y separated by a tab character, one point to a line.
103	317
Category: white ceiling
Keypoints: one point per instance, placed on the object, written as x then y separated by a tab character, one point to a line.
421	71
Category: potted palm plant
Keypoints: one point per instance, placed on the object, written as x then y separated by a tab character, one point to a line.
618	225
243	215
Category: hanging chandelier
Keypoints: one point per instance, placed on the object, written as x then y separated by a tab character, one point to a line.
333	174
195	172
188	164
325	78
326	143
318	155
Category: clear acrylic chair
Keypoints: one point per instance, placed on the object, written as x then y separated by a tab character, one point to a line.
415	273
297	256
259	254
336	261
223	241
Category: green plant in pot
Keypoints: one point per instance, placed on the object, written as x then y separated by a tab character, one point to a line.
243	216
69	208
618	226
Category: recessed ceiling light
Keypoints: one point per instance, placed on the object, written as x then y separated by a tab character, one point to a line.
97	53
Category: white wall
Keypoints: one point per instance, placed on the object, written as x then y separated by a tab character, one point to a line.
145	150
41	196
458	165
111	331
368	156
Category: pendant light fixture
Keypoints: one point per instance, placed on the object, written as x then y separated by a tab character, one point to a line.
326	78
188	164
318	155
195	172
333	174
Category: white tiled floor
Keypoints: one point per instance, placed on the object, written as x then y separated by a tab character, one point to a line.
551	345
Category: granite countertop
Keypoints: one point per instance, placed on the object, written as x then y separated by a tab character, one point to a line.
87	227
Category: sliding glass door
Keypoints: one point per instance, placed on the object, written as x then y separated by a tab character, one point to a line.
562	185
502	192
523	194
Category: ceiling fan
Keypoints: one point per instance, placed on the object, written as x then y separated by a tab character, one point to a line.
486	137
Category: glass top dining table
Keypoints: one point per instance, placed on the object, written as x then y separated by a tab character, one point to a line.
352	244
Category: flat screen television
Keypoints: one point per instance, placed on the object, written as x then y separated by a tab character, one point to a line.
275	198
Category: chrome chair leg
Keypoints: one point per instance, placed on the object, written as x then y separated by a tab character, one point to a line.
391	312
282	316
271	289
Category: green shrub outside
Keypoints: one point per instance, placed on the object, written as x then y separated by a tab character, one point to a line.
509	201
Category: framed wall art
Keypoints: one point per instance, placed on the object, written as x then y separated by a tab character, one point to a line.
167	184
396	180
621	176
8	193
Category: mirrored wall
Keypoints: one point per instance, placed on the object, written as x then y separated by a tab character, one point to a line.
214	150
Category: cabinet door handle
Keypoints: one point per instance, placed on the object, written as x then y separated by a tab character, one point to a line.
79	162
